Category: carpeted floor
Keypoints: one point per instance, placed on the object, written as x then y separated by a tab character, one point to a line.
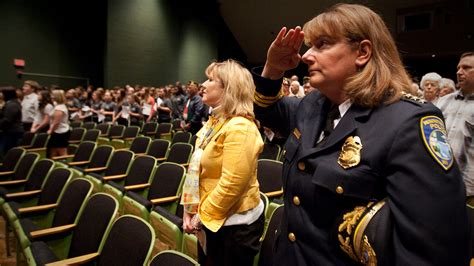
4	260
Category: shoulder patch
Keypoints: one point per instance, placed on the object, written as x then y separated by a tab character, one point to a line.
413	98
434	136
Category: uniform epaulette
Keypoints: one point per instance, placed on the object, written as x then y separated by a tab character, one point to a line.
413	98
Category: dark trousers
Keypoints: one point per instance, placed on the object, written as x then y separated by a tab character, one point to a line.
232	245
27	126
9	140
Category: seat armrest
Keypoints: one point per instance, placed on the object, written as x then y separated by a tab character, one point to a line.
24	146
128	139
116	137
272	194
114	177
185	164
96	169
7	173
52	230
164	200
38	208
36	149
76	260
63	157
74	141
78	163
13	182
23	194
137	186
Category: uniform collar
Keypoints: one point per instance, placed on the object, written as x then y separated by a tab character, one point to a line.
461	96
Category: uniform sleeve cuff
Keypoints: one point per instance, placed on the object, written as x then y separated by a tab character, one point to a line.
267	91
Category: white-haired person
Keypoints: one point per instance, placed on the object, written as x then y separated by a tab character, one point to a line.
430	85
221	193
296	90
447	86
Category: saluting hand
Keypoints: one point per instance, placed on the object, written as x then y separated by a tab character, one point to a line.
283	53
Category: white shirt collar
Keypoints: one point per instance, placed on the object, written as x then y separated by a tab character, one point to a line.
343	108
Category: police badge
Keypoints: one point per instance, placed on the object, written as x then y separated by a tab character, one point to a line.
433	133
350	152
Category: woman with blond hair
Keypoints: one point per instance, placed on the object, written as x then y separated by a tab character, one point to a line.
224	203
368	174
59	125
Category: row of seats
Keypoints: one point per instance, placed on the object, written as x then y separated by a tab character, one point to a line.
133	202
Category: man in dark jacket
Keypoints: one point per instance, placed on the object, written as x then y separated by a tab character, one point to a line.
11	128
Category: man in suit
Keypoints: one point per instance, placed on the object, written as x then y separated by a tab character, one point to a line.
359	146
192	113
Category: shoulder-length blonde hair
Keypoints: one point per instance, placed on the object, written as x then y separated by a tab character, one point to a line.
237	99
59	97
383	78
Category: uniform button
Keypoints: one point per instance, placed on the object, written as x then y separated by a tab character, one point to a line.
301	166
292	237
339	190
296	200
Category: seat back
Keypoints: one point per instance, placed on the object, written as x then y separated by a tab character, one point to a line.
38	174
116	131
140	144
77	134
84	151
131	132
25	166
266	250
27	139
76	124
141	170
149	129
172	257
72	201
270	151
167	181
163	128
119	163
101	156
94	222
91	135
177	125
269	175
88	125
41	139
104	129
181	137
180	153
158	148
193	140
129	242
54	185
11	159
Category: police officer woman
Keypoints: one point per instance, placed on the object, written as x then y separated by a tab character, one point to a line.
360	144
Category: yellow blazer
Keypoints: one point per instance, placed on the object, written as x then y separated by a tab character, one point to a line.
228	175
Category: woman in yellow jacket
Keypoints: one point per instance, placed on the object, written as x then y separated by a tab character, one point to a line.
221	195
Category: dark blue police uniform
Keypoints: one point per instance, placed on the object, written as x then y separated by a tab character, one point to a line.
401	161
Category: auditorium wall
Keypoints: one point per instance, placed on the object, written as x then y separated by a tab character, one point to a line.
114	42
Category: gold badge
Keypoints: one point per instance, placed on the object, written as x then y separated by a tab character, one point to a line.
350	153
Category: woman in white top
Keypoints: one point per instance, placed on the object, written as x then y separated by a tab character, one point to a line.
59	127
41	121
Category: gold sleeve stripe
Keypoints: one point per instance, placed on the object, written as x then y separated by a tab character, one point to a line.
263	97
266	100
